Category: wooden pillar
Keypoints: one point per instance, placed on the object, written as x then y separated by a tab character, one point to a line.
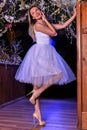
82	63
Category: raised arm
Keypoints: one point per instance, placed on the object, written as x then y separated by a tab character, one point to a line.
64	25
45	27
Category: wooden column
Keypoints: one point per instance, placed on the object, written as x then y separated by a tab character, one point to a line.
82	63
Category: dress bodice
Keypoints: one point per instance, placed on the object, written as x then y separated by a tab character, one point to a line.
42	38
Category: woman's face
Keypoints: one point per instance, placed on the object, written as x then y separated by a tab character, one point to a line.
36	13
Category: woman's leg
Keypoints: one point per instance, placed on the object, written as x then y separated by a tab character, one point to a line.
38	91
41	90
37	105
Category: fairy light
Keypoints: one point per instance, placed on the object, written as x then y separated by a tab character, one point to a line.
56	10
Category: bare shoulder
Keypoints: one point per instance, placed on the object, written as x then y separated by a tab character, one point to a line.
39	26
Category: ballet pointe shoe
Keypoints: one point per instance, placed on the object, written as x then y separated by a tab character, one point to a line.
41	123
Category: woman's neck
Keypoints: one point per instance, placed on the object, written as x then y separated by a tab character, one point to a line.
41	22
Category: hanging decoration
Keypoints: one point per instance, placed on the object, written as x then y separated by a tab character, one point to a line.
2	4
15	11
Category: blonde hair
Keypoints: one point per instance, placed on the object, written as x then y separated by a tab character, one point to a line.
31	22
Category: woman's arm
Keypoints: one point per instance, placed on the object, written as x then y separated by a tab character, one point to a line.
46	27
49	25
64	25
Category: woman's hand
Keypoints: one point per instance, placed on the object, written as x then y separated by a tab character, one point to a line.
74	10
44	17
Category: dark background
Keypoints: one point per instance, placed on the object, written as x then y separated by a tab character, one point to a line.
68	52
63	47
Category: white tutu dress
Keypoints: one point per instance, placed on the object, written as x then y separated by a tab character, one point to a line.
43	65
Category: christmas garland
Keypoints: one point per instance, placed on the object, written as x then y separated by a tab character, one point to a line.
15	11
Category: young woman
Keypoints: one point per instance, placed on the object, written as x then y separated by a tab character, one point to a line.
42	66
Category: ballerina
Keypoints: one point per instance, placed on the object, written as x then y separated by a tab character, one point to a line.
42	66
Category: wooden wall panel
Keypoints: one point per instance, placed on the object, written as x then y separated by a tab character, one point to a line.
79	73
84	14
84	120
84	72
82	64
9	87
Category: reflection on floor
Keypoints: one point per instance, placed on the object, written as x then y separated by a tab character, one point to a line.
59	114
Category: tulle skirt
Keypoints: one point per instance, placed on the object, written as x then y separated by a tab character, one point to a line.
43	65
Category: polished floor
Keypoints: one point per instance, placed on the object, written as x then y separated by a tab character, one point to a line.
59	114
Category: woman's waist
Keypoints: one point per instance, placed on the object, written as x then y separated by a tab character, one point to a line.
43	41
